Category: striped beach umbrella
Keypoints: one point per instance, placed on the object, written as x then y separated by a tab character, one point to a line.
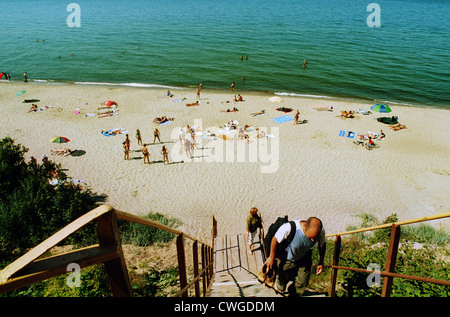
59	139
381	107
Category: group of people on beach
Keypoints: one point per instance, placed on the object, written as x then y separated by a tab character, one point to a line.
189	144
144	150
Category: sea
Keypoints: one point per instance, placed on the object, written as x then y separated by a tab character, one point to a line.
391	51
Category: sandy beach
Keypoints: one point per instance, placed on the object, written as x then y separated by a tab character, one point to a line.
301	170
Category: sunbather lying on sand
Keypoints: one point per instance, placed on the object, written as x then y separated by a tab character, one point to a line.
193	104
36	108
62	152
369	135
162	119
230	110
107	114
33	108
398	126
347	114
258	113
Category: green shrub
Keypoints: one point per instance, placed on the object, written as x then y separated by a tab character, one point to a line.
31	209
141	235
155	283
424	262
93	283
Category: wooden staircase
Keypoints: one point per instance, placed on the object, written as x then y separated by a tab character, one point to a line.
236	271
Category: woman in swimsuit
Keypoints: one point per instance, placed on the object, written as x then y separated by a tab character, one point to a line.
138	137
165	153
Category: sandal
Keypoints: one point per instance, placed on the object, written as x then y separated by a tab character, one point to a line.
270	278
262	274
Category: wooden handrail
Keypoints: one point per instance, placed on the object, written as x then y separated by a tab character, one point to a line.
49	243
388	273
29	269
387	225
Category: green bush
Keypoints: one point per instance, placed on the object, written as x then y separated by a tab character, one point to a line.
143	236
31	209
155	283
93	283
361	251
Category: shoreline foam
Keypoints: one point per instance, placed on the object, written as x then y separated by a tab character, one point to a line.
223	90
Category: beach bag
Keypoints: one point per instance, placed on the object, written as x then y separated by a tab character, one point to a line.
281	249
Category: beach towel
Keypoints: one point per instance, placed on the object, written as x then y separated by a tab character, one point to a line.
283	109
114	132
320	108
348	134
166	122
283	119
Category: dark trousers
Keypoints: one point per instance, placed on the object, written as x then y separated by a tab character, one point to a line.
298	272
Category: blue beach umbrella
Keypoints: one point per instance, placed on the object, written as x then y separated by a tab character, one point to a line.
381	107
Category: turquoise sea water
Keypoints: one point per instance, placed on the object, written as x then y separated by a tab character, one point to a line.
185	42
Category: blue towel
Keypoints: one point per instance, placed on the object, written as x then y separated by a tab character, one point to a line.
283	119
107	133
351	134
342	133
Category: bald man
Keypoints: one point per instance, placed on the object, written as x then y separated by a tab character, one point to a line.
296	263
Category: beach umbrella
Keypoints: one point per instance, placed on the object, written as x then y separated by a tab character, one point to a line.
59	139
20	93
276	99
381	107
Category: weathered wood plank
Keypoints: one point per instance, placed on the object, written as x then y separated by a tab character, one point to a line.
49	243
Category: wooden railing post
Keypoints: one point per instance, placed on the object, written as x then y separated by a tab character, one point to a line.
116	269
203	269
195	263
181	255
334	271
208	261
391	259
211	257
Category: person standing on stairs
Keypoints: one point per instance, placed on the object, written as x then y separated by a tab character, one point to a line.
254	222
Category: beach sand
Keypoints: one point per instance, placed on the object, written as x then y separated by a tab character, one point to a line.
304	170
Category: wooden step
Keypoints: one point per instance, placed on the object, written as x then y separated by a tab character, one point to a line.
236	271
